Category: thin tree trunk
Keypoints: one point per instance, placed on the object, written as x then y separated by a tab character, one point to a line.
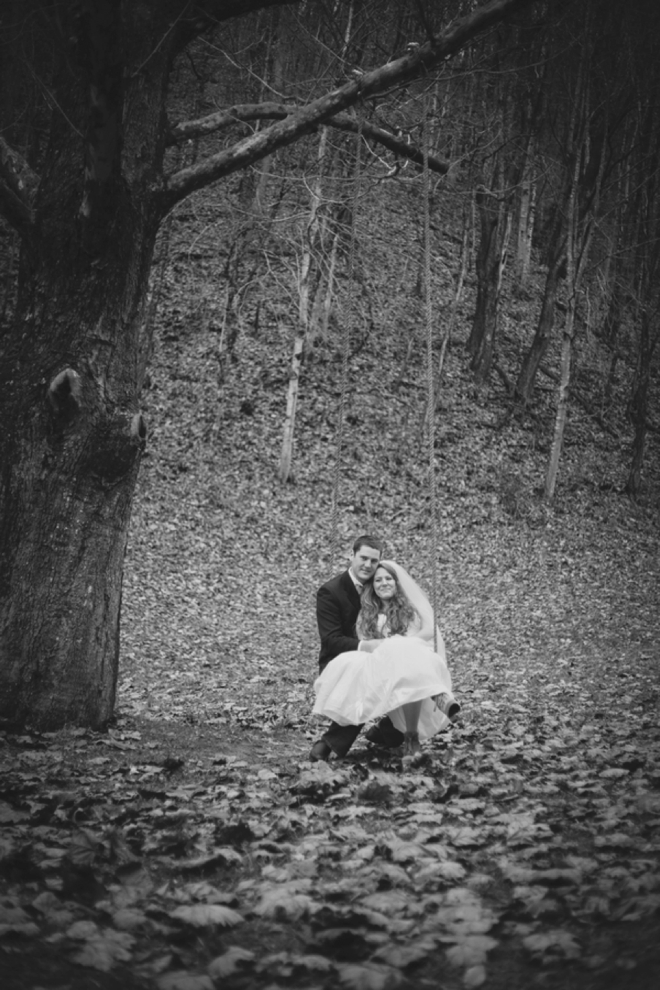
275	55
306	265
611	330
327	293
286	457
639	404
543	334
579	231
458	295
562	402
526	215
495	224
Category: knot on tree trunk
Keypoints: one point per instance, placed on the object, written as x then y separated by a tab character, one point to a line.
113	448
64	396
139	430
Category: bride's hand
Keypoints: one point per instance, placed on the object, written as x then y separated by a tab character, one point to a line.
369	645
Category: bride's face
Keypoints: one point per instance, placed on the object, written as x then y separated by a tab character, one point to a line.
384	584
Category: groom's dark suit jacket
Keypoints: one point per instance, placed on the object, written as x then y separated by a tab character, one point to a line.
337	609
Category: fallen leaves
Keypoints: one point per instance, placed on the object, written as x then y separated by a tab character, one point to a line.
102	948
286	902
552	945
230	962
364	876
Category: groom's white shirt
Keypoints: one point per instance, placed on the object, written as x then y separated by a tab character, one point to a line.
358	584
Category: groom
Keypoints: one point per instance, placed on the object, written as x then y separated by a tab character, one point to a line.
337	609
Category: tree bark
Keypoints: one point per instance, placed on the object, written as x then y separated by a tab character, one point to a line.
639	403
539	347
562	405
525	226
495	226
306	270
72	431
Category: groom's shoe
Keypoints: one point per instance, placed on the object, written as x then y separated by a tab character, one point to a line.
447	705
385	734
320	751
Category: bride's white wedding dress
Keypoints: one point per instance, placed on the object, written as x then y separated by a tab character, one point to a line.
357	686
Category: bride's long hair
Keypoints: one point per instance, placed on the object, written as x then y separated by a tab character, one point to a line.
399	612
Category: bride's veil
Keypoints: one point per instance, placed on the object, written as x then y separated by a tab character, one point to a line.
420	602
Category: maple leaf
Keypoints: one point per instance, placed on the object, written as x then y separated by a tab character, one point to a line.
551	944
12	913
471	950
103	949
9	815
230	962
465	836
474	976
618	840
386	902
202	890
375	792
28	928
205	915
404	852
447	870
285	904
313	962
83	848
638	907
370	976
128	919
401	956
462	913
82	930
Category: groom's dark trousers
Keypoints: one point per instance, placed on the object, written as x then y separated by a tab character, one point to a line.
337	609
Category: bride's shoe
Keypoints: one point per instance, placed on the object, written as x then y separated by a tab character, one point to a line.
411	744
447	705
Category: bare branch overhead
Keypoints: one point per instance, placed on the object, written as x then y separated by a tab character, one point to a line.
242	113
390	141
414	65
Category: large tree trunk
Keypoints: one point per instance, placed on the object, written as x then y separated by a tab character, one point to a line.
72	432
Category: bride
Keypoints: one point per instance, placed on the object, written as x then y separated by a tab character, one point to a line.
395	671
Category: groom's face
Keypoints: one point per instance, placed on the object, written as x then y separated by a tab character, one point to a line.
365	562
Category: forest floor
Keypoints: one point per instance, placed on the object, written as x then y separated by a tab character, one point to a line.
521	850
193	846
